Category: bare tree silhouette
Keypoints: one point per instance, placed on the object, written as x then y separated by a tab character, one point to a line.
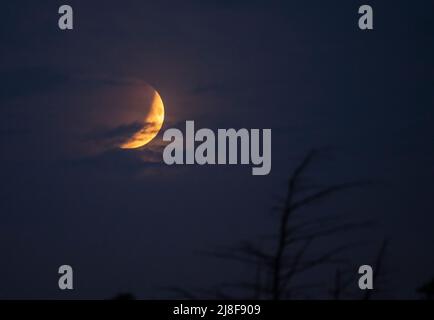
288	252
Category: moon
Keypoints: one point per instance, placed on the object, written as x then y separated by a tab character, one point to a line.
152	125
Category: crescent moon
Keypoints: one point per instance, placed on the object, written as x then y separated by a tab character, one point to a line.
152	125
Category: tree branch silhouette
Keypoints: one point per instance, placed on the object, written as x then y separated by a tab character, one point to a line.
288	252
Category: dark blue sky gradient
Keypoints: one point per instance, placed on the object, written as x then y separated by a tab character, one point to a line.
301	68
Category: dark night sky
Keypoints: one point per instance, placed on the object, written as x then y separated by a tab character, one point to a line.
127	222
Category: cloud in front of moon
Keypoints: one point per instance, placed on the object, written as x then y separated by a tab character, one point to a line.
151	126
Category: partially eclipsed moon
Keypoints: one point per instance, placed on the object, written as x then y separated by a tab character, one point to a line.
152	125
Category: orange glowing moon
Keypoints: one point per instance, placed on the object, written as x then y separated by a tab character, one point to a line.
152	125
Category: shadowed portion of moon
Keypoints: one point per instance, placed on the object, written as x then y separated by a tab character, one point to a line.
151	126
